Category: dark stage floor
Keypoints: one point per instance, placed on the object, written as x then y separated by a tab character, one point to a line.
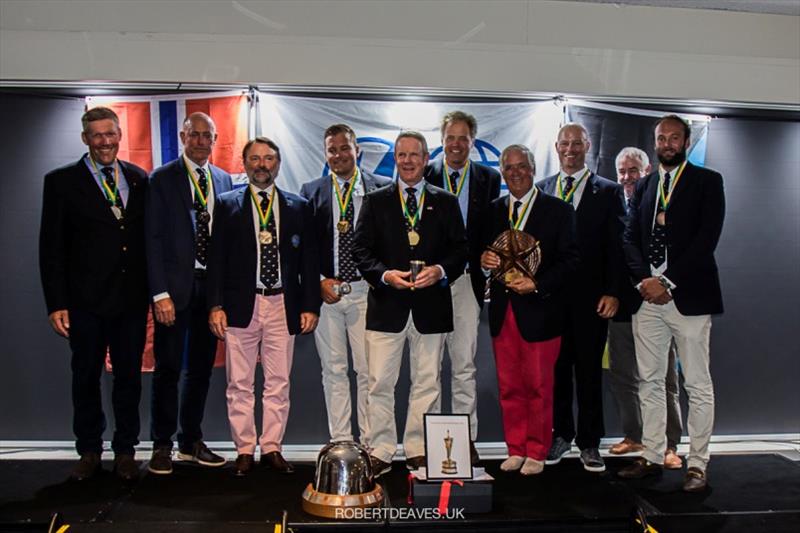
747	493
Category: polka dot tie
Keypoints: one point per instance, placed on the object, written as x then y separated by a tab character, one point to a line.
108	174
347	265
268	262
201	233
454	181
657	253
411	205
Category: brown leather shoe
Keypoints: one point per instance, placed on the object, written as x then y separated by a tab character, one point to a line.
87	466
414	463
244	464
695	480
625	446
379	467
640	468
125	467
473	454
276	461
672	460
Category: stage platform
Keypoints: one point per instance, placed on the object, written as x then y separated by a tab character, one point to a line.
752	493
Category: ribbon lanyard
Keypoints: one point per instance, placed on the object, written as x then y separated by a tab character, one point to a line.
110	194
198	193
263	218
461	179
560	189
665	200
412	220
348	197
521	216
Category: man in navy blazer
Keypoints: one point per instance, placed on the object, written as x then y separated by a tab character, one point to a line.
475	185
335	202
263	289
180	204
594	292
407	221
91	258
674	226
526	314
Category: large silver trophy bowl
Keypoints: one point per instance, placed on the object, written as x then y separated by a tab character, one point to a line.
343	480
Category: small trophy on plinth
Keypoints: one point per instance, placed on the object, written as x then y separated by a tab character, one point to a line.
416	267
448	465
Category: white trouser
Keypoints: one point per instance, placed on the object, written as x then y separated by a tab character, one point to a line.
346	319
462	344
654	327
384	355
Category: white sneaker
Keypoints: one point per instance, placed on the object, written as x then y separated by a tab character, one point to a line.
512	464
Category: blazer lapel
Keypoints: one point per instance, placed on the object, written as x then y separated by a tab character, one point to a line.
181	182
87	185
327	196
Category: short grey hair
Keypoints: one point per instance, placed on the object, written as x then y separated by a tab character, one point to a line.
635	153
518	148
199	115
570	125
413	135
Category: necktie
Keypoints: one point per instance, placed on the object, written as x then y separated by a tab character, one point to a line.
454	175
108	174
347	265
628	203
515	215
657	253
568	187
202	234
268	262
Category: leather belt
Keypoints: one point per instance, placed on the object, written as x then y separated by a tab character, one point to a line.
269	292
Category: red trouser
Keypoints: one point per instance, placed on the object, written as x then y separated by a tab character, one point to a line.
525	378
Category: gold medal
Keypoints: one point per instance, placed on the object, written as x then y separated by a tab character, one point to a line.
512	275
661	218
265	237
343	226
413	238
117	212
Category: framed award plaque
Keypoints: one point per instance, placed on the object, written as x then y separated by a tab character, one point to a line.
447	447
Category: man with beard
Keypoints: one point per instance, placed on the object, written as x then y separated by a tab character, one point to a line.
475	185
336	201
593	297
180	204
407	221
675	223
633	163
91	257
263	289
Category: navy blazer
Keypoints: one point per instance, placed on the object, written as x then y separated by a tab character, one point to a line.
539	315
381	244
169	229
88	259
600	220
484	186
233	258
319	194
694	225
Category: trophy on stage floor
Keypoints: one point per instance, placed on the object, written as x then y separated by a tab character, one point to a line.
520	256
448	465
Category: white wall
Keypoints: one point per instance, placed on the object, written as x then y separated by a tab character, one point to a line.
510	45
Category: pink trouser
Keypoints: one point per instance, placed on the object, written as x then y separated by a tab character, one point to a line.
268	331
525	378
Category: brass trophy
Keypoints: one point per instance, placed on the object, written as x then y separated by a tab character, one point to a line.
416	267
520	256
448	465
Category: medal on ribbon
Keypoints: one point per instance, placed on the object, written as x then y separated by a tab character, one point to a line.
461	179
344	202
571	194
264	235
108	192
203	216
413	236
661	218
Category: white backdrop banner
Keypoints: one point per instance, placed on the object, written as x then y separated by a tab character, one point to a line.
297	124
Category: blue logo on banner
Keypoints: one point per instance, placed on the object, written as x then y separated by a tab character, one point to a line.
377	155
